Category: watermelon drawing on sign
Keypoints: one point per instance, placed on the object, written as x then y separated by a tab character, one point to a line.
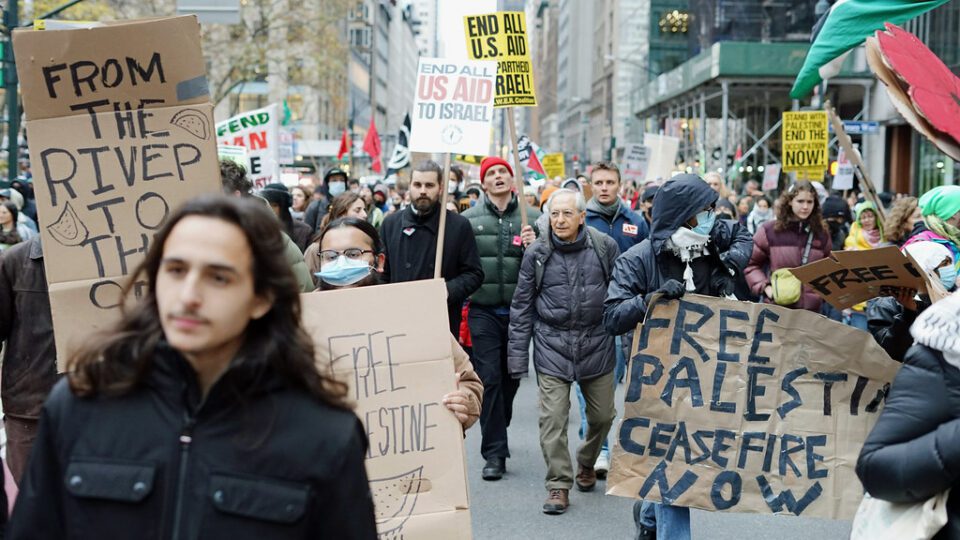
193	122
394	499
921	87
68	229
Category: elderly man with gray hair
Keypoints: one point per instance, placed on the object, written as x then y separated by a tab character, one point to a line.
559	304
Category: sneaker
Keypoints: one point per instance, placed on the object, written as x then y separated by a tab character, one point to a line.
643	533
494	468
602	465
586	478
557	502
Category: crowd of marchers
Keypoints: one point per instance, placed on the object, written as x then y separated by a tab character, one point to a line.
187	418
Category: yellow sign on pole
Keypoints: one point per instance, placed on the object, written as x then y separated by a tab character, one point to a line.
805	144
502	36
553	165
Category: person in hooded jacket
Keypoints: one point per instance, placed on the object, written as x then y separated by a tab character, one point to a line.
867	230
558	304
889	318
607	213
798	236
837	215
201	413
688	250
334	183
913	451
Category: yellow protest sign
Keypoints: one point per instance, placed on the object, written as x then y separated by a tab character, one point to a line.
502	36
553	165
805	142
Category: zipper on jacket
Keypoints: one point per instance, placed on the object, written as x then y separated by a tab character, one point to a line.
186	438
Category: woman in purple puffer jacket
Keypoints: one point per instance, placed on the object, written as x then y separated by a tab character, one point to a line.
782	243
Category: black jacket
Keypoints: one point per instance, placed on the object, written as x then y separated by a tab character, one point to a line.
410	241
913	451
26	331
647	266
257	459
314	214
889	323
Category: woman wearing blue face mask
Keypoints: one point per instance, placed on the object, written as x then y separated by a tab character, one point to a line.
889	318
797	236
351	255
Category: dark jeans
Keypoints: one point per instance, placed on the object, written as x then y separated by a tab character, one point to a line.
489	333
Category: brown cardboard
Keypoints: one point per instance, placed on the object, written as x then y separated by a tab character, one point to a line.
399	368
847	278
120	63
107	176
784	353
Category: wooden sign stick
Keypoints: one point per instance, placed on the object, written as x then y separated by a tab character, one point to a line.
518	174
442	228
865	183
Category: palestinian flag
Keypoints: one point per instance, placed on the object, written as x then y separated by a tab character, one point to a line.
847	24
534	165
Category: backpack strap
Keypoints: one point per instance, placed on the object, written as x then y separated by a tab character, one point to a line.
600	247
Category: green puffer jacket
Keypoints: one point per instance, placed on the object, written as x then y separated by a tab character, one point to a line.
498	241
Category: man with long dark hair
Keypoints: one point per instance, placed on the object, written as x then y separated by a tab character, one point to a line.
201	414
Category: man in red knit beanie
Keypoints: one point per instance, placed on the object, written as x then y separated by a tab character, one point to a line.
501	241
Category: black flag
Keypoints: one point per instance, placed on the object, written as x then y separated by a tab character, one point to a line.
401	152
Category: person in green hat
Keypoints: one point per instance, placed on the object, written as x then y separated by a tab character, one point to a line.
867	231
941	220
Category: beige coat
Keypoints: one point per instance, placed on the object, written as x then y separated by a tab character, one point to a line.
469	382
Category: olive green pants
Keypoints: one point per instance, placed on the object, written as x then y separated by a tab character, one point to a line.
555	418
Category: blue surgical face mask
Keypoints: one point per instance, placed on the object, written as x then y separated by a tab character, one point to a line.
344	271
948	276
336	188
705	221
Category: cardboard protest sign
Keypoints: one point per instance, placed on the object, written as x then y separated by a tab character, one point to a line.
259	132
121	132
635	162
741	407
847	278
553	165
805	141
398	369
453	108
662	153
771	177
502	36
844	177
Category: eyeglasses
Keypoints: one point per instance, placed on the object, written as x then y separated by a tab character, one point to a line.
330	255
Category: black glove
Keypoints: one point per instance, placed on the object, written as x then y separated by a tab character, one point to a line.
723	284
671	290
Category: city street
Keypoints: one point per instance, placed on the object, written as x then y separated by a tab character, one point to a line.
510	508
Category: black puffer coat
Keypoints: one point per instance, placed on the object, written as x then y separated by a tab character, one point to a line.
913	451
256	459
565	316
647	266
